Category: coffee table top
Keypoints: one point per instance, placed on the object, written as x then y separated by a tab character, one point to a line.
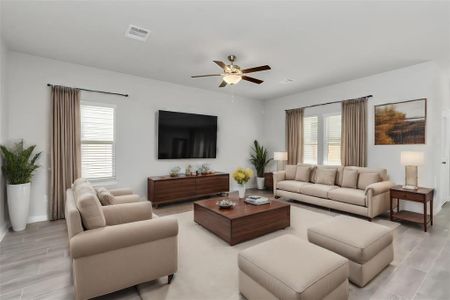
241	209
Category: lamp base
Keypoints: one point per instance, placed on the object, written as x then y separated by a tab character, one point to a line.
409	187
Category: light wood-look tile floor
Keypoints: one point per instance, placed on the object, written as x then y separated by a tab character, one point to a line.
34	264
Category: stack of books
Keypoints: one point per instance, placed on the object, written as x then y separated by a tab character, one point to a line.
257	200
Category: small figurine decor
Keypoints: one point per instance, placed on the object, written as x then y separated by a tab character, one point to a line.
174	171
189	171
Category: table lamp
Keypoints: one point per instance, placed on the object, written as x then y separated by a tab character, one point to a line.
411	160
280	157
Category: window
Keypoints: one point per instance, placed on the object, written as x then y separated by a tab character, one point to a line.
310	133
97	142
332	140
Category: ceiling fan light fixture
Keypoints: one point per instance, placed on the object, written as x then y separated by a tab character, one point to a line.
232	78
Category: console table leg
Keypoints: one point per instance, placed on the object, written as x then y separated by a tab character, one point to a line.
431	211
425	216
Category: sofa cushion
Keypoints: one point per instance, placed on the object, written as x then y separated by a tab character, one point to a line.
326	176
303	173
90	208
291	185
317	190
356	239
350	178
105	196
296	269
346	195
365	179
338	169
381	172
291	170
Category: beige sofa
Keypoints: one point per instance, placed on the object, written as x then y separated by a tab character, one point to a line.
361	191
117	246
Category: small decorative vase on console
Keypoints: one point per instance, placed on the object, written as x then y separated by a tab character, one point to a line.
241	190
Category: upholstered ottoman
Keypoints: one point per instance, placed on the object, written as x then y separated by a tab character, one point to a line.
288	267
368	246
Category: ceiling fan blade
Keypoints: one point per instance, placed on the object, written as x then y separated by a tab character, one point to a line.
208	75
220	63
223	83
251	79
256	69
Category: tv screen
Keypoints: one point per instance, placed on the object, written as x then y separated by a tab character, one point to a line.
183	135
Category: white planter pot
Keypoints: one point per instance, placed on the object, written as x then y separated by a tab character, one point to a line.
241	190
18	204
260	183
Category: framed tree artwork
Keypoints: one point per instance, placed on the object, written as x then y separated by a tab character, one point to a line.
401	123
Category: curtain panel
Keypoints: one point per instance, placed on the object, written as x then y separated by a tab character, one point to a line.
65	146
294	136
354	132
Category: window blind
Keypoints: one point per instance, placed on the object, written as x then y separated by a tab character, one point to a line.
310	132
333	139
97	142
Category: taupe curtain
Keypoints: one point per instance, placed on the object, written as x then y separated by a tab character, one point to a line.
294	135
354	132
65	146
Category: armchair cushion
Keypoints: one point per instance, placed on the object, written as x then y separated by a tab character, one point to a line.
89	208
126	199
121	191
105	197
127	213
110	238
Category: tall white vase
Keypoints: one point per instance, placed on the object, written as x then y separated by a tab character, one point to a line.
260	183
241	190
18	204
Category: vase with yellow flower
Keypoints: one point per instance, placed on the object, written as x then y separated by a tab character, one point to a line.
242	176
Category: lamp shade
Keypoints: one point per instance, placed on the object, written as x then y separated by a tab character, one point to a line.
280	156
411	158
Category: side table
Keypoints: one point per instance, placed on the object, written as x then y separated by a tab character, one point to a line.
421	195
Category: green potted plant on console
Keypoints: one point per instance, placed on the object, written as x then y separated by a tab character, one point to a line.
18	167
259	159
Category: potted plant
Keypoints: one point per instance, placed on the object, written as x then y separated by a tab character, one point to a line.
242	176
259	159
18	167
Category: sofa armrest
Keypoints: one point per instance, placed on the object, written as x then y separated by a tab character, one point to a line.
109	238
131	198
128	212
121	191
278	176
379	187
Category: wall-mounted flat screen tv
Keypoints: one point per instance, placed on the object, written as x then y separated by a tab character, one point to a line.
184	135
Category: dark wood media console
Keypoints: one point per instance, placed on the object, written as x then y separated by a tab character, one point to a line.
166	189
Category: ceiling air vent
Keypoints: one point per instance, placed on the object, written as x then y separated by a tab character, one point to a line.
137	33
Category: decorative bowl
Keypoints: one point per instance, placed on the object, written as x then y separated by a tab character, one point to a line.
225	203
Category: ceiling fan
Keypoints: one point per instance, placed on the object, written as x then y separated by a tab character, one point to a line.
232	73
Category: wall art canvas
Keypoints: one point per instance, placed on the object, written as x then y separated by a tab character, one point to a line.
401	123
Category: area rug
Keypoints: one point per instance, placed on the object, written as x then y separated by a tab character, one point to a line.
207	266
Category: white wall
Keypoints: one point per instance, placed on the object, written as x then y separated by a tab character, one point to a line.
3	215
239	120
418	81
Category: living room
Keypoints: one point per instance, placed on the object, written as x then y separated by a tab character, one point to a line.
315	58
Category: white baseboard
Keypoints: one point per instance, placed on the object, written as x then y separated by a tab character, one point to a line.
34	219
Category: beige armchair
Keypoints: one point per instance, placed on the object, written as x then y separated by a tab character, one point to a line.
117	246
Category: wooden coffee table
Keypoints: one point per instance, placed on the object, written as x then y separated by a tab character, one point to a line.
243	222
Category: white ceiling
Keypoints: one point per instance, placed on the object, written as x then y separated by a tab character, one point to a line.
314	43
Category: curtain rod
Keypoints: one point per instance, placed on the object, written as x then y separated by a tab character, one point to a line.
95	91
332	102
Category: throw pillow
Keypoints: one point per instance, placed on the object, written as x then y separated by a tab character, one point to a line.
303	173
105	196
291	170
350	178
90	210
326	176
367	178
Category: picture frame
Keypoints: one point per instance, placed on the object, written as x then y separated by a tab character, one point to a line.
400	123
